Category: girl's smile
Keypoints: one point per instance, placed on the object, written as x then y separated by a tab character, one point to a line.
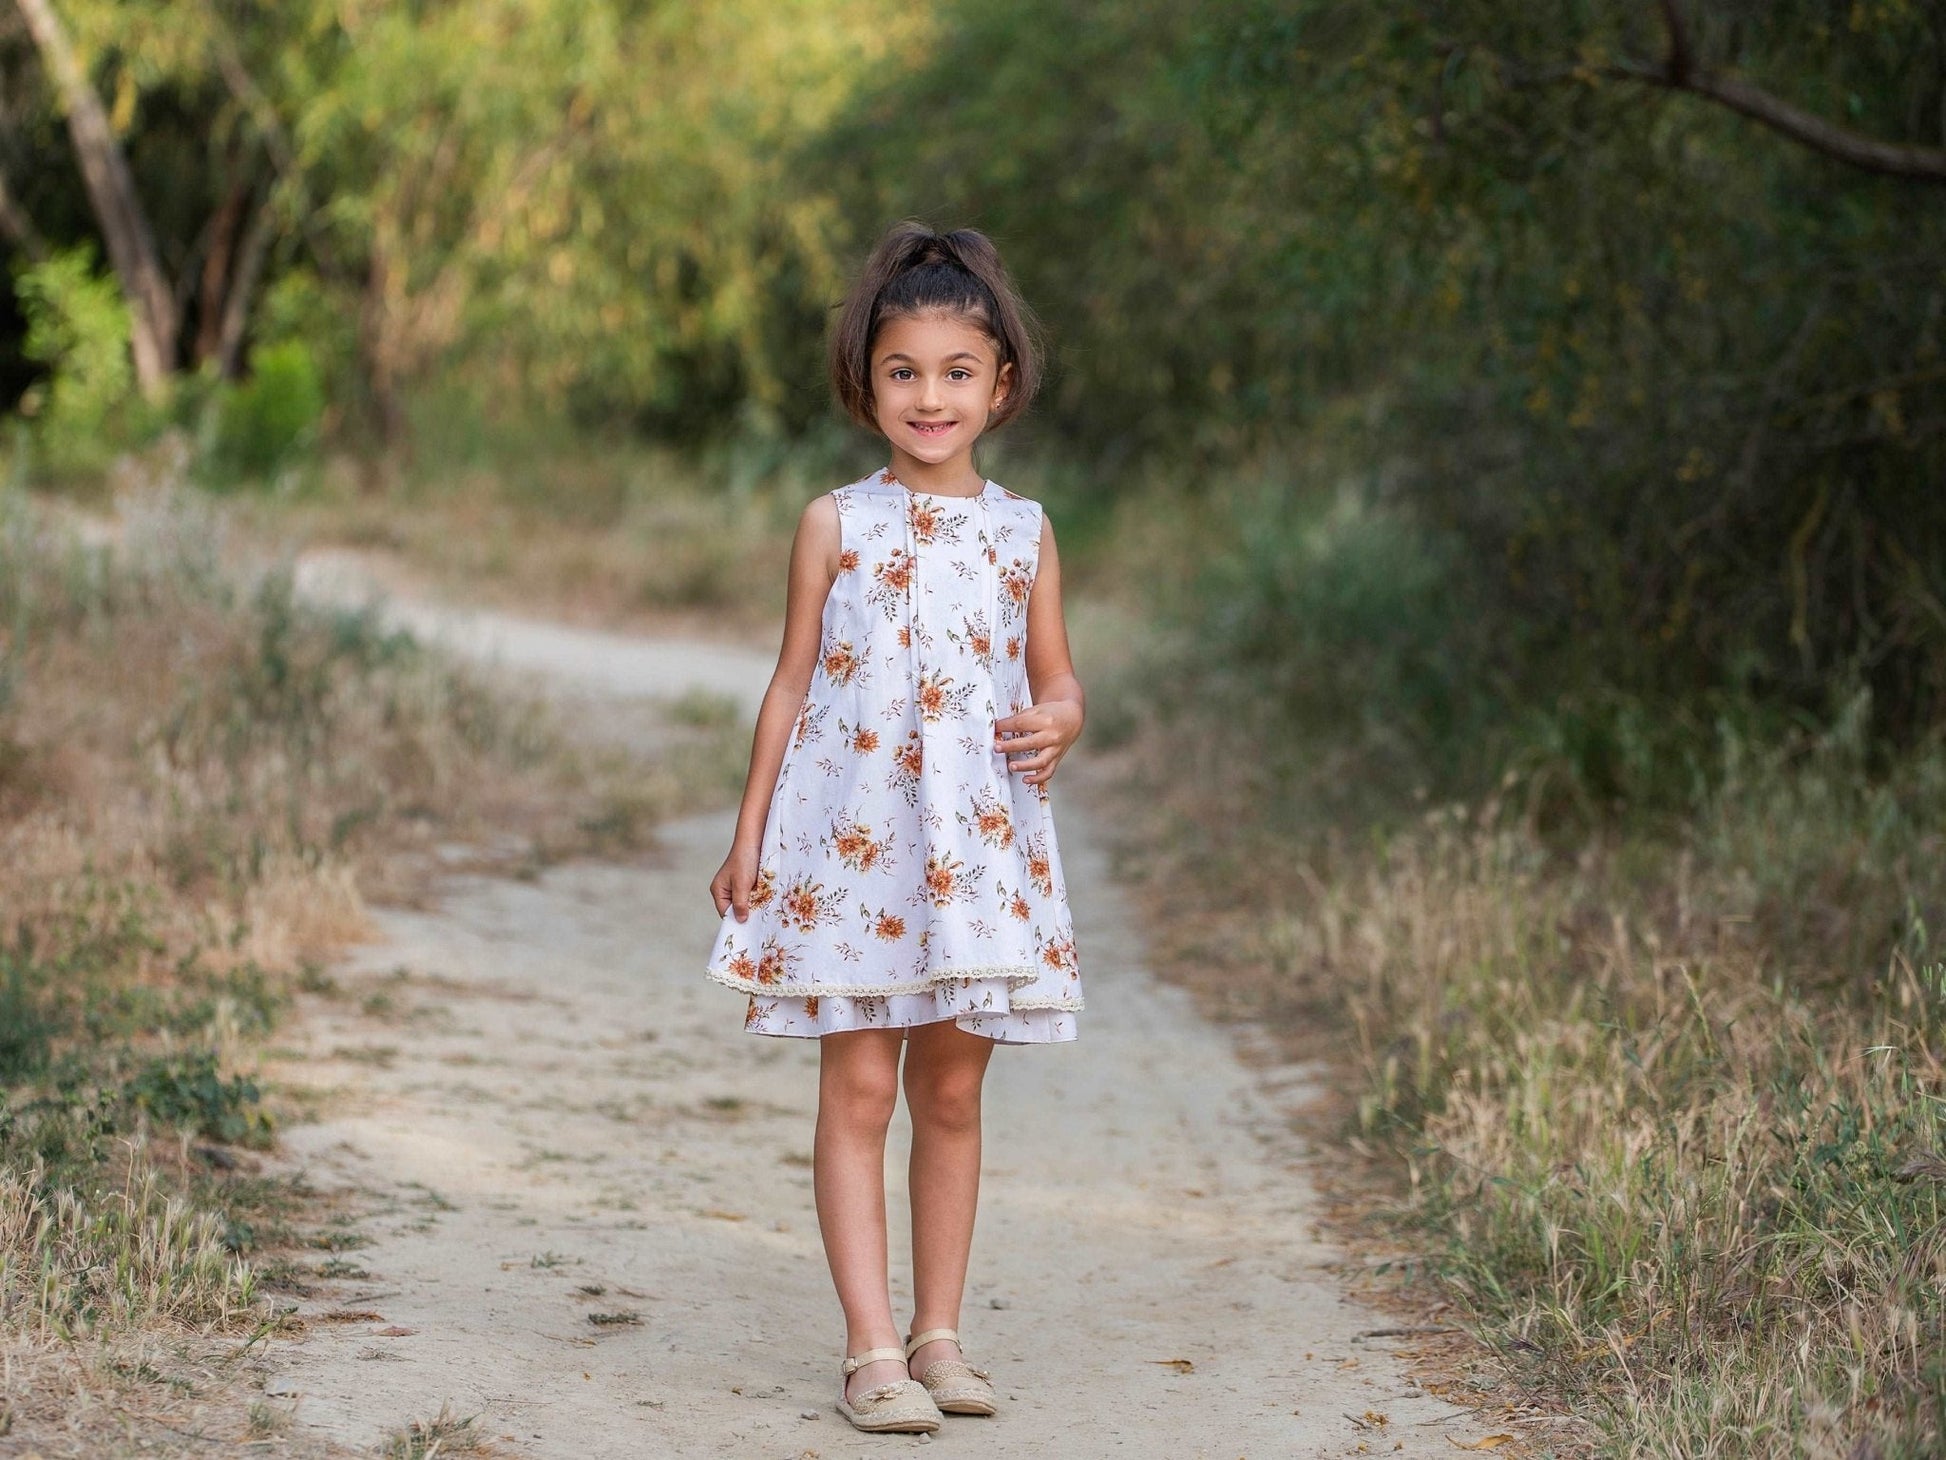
935	381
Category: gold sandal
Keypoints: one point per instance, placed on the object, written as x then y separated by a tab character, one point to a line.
900	1407
955	1385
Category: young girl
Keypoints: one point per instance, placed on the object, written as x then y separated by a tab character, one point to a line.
894	880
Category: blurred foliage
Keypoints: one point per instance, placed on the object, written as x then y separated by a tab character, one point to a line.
1655	392
77	326
1662	390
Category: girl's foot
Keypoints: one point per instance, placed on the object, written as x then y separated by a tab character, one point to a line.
896	1405
934	1359
872	1375
928	1354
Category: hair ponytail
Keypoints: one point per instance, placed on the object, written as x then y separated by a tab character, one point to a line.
914	270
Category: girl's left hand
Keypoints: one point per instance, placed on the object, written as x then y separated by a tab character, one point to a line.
1035	739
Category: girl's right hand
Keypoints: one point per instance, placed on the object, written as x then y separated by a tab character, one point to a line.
730	887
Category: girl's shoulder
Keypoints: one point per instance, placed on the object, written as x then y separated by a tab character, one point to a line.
1010	498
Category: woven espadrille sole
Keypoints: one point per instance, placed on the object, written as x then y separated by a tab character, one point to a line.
959	1388
900	1408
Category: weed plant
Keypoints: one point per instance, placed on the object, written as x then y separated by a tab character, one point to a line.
201	777
1653	1033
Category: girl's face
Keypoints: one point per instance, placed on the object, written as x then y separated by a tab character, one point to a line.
935	380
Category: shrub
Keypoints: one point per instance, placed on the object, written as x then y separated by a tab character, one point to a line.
256	427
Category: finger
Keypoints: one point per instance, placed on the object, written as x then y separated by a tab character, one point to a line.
720	895
740	900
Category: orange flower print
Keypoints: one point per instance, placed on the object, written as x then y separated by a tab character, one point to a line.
750	1014
1058	955
765	889
885	476
852	841
923	517
1016	582
931	697
1039	869
889	926
1019	908
1013	646
741	965
840	664
978	641
929	524
905	636
945	879
810	723
907	761
806	902
990	820
770	963
937	697
891	581
863	741
848	561
811	1007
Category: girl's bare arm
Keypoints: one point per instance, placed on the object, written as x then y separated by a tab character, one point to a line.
1037	738
814	566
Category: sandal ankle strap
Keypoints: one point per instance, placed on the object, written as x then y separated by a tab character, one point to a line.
931	1335
872	1356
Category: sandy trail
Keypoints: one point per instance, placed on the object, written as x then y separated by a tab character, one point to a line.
592	1222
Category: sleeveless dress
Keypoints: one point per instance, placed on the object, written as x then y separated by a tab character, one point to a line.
906	875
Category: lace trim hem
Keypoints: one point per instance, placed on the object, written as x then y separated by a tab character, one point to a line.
1017	976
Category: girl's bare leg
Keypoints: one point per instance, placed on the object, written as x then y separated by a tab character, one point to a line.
858	1086
944	1069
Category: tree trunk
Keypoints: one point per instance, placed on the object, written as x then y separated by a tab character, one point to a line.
154	319
219	262
379	328
249	268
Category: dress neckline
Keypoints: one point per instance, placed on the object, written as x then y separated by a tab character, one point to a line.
988	487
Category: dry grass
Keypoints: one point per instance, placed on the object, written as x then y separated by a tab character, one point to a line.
1662	1113
202	779
618	537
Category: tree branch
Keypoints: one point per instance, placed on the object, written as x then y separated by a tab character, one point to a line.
1890	159
1680	72
153	319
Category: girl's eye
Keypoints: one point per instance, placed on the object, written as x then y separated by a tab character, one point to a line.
901	373
960	374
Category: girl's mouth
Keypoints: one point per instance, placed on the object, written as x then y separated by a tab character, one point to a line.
932	428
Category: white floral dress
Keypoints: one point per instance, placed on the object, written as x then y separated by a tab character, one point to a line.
906	875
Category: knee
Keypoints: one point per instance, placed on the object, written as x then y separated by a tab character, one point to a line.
948	1101
862	1096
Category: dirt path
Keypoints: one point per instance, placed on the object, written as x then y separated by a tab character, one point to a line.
594	1226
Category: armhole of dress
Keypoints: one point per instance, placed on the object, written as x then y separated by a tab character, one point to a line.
846	499
841	501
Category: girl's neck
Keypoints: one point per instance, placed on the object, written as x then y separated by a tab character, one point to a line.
954	477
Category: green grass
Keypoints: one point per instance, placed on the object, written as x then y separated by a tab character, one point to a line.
1649	1037
202	776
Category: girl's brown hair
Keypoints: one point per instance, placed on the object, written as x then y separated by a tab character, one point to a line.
914	270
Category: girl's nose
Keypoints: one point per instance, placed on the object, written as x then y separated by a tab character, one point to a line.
929	392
